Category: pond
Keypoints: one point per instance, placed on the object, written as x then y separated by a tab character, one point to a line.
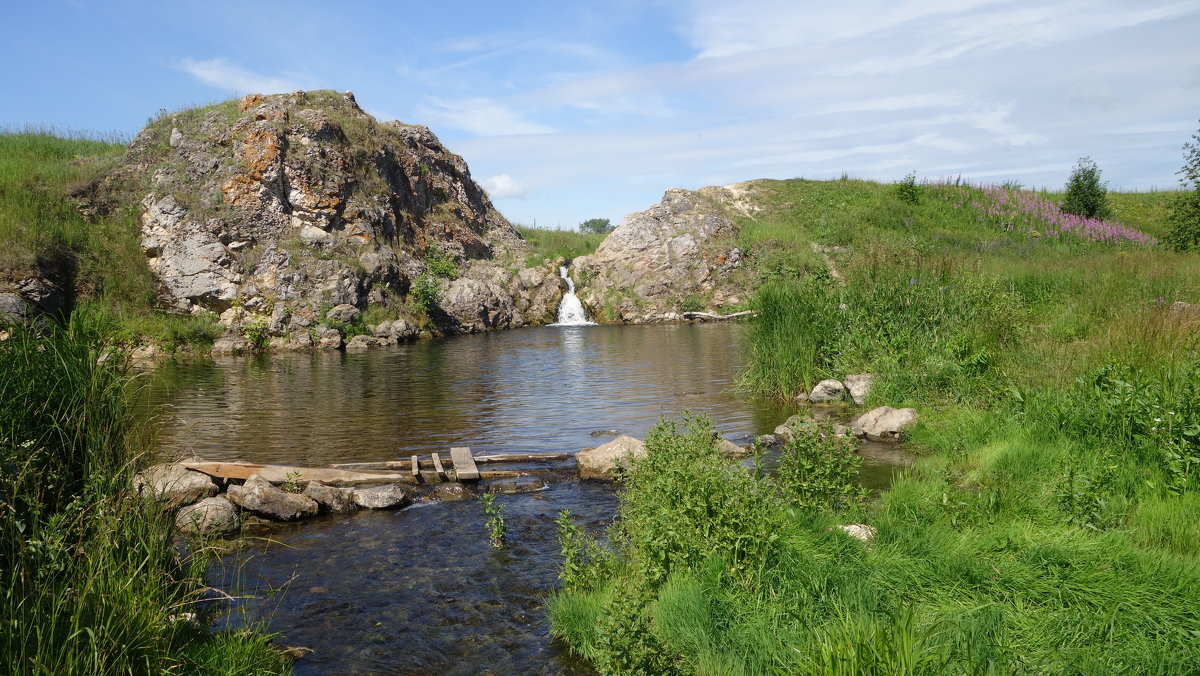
420	590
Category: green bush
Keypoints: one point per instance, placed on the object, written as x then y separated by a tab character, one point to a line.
819	469
907	190
427	293
440	263
1085	195
1184	215
596	226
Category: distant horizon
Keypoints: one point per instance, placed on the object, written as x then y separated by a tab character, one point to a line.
594	109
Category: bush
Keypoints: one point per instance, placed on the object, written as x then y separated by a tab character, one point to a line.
440	263
1086	196
427	293
819	469
1184	215
907	190
596	226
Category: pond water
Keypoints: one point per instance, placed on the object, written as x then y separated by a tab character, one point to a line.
420	590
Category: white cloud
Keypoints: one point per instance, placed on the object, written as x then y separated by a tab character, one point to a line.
224	75
505	186
481	116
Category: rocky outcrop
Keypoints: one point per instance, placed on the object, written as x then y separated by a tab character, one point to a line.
288	213
884	423
679	252
604	462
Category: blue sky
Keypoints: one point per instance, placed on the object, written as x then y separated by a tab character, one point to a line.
572	110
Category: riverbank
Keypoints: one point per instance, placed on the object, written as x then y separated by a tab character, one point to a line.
1050	524
93	581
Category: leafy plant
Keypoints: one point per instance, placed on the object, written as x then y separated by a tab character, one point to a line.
426	292
907	189
292	483
1086	196
817	468
596	226
495	520
586	564
257	332
1184	215
440	263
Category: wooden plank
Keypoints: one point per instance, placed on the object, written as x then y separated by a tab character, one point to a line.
464	464
520	457
437	467
278	474
416	470
400	465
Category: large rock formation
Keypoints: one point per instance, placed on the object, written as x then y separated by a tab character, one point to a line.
679	254
271	210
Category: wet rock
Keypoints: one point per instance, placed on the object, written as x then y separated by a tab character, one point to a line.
884	423
331	499
827	391
859	386
364	342
768	440
604	433
231	345
210	516
390	496
257	495
451	492
516	485
603	462
732	450
174	485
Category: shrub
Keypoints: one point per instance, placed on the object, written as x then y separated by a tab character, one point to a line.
440	263
908	190
596	226
1086	196
427	293
257	332
819	469
1184	215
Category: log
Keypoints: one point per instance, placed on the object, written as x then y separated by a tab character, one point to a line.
278	474
515	473
521	457
709	316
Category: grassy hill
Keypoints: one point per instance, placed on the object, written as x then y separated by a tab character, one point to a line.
1051	521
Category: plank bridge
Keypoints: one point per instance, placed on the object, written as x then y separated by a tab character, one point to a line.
460	465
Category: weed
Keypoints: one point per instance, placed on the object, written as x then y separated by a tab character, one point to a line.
427	293
495	520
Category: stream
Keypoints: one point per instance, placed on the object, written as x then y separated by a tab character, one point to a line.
421	591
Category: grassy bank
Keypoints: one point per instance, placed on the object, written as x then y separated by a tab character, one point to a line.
97	258
1050	522
92	582
545	243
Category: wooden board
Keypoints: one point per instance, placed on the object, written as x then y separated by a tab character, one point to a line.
521	457
416	469
437	467
278	474
464	464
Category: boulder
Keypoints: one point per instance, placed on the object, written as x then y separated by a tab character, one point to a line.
603	461
231	345
331	499
732	450
13	308
210	516
884	423
361	342
827	391
859	386
344	313
390	496
174	485
859	531
257	495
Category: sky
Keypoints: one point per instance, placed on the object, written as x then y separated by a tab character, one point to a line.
567	110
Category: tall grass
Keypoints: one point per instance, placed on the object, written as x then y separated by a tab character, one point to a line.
90	575
568	244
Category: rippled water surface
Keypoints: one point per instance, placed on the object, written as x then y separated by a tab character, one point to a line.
420	591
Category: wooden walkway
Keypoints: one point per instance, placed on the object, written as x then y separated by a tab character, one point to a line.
433	468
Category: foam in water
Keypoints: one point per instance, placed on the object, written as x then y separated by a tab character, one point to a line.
570	310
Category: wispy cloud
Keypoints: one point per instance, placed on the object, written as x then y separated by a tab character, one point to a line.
481	116
222	74
505	186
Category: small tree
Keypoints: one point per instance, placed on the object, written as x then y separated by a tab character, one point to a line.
1086	195
596	226
1184	215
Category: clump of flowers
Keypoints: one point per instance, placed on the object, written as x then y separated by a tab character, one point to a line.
1028	212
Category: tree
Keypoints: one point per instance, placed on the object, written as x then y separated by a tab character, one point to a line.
1086	195
597	226
1184	215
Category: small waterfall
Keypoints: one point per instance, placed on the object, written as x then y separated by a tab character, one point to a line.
570	310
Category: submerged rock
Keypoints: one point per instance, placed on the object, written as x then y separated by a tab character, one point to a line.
257	495
603	461
174	485
390	496
210	516
884	423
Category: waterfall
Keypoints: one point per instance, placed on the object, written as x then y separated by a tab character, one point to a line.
570	310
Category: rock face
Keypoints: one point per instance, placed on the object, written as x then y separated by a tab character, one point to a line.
603	461
173	485
259	496
281	213
884	423
210	516
679	251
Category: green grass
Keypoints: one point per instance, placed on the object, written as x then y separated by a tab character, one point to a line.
551	244
1049	523
89	571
